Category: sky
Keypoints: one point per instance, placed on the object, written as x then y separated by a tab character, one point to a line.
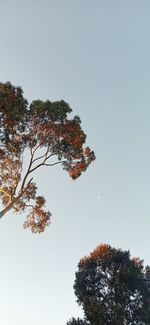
94	54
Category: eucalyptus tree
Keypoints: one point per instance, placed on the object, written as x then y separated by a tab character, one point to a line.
45	131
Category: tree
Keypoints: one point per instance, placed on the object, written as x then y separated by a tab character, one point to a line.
113	288
77	321
43	129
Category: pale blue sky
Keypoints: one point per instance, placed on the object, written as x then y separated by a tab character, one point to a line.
94	54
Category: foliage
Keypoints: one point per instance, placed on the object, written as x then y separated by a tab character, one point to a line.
77	321
44	129
112	288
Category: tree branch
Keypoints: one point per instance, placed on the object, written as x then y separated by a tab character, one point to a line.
32	161
56	163
27	173
1	190
44	155
40	157
44	164
15	200
36	148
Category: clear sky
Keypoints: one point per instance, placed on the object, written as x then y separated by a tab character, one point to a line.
94	54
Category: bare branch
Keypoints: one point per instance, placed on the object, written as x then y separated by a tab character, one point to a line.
44	164
39	157
44	155
49	156
56	163
27	173
36	148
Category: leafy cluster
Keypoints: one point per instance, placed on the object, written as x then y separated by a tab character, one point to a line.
42	127
77	321
112	288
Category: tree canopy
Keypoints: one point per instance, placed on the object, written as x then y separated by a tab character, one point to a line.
113	288
77	321
50	136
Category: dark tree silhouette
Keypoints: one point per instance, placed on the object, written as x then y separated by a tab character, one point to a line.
77	321
112	288
51	138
